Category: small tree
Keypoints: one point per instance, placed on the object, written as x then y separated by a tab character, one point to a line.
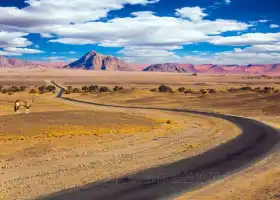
4	90
181	89
23	88
50	88
212	91
104	89
202	91
33	91
118	88
164	88
76	90
188	91
93	88
70	88
85	88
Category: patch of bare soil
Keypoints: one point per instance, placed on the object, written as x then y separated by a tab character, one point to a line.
42	165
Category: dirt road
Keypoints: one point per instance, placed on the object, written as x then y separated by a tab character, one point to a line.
164	182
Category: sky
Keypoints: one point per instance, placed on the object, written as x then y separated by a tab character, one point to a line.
143	31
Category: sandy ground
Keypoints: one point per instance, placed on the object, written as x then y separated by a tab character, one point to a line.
47	162
64	145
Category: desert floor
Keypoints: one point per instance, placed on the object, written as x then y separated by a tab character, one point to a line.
63	145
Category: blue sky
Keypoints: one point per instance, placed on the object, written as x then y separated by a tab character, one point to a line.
143	31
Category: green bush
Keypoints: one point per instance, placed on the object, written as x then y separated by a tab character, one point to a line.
154	90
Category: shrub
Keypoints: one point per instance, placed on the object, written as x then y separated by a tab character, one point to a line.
164	88
154	90
93	88
188	91
69	88
14	89
212	91
10	93
23	88
67	92
104	89
42	89
118	88
76	90
232	90
245	88
4	91
85	88
202	91
33	91
194	74
50	88
181	89
168	122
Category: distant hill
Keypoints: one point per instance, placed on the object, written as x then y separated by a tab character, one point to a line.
95	61
14	62
170	67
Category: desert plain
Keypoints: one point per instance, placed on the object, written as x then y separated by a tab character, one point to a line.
63	145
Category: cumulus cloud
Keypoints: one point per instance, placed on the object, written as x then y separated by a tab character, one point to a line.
247	39
192	13
144	29
274	26
50	12
13	39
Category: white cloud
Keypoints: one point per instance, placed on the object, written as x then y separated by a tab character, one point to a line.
144	29
13	39
274	26
61	12
74	41
55	58
72	52
46	35
3	53
263	21
227	1
275	47
247	39
192	13
22	50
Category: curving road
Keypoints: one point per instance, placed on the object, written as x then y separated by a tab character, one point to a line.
167	181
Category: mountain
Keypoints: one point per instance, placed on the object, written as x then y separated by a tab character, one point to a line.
95	61
239	69
170	67
14	62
